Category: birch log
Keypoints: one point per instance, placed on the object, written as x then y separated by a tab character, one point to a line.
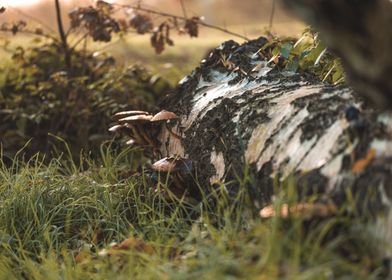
236	111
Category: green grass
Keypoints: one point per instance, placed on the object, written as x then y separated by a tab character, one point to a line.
51	213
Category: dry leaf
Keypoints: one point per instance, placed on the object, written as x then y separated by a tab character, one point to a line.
300	210
142	23
361	164
192	26
131	244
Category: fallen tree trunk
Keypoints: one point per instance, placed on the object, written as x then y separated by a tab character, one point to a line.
236	111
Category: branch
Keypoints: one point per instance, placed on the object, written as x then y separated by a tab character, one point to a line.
31	32
151	11
272	14
183	8
34	19
84	36
63	36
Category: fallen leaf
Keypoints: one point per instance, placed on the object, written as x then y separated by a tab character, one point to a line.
131	244
83	257
361	164
300	210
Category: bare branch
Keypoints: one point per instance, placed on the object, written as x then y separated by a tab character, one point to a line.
272	15
30	32
183	8
34	19
164	14
63	36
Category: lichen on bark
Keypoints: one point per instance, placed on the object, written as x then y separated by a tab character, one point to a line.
281	125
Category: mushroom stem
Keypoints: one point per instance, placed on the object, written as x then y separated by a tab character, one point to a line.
139	139
144	136
178	186
156	152
172	133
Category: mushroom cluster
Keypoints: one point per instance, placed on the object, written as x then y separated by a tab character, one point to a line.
143	128
170	174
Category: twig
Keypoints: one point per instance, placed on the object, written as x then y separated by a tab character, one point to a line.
183	8
85	35
272	15
40	22
151	11
63	36
31	32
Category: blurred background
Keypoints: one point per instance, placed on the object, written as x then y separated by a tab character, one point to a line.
44	93
250	18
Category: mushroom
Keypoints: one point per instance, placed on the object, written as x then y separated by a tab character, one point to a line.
116	128
163	117
119	128
130	142
135	119
135	123
124	114
174	166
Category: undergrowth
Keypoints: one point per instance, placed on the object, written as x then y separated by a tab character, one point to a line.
58	219
38	98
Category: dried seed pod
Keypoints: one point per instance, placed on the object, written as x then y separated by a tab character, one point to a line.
142	23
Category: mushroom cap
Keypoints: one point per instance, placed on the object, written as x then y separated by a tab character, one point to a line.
164	116
135	119
165	165
172	164
130	142
116	128
124	114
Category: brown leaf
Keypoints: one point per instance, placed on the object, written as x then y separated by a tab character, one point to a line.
142	23
192	26
39	31
104	7
300	210
168	40
83	257
158	41
361	164
132	244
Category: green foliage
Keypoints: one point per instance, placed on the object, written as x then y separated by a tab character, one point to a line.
38	97
308	54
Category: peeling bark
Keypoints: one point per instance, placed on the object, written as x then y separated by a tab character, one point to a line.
282	125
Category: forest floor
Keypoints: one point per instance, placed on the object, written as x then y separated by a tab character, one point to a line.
86	220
